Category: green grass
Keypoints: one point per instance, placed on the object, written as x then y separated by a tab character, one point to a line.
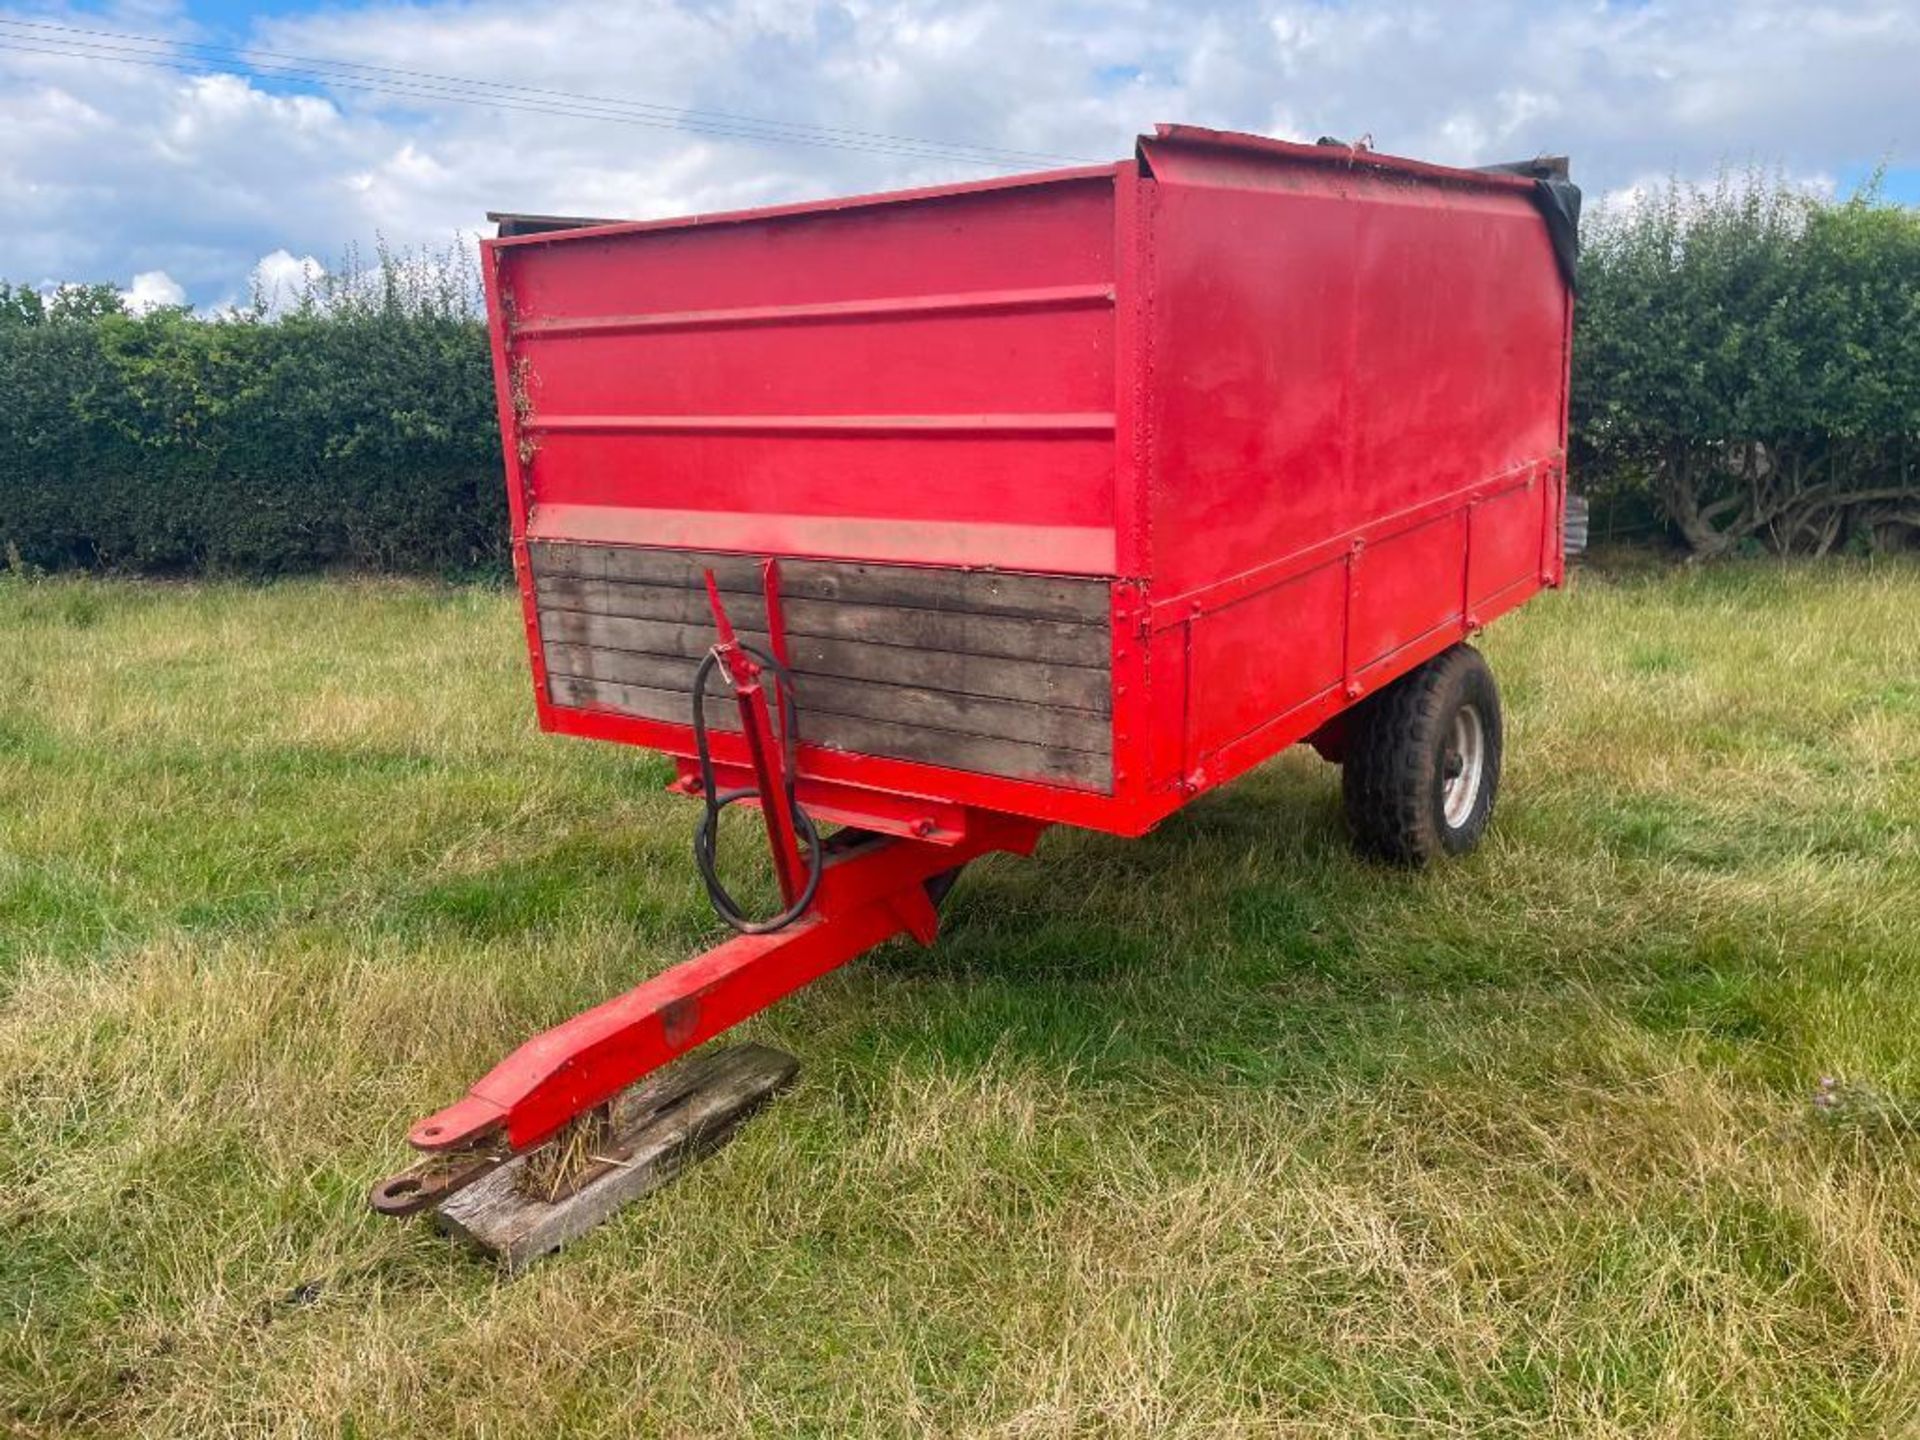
1218	1132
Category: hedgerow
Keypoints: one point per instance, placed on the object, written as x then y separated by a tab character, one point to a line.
1747	358
355	429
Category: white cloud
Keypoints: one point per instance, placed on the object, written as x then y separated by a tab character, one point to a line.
152	289
281	280
116	169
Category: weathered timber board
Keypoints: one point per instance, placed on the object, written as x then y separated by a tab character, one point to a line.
979	592
1073	729
1012	636
995	635
951	748
1072	687
974	670
661	1125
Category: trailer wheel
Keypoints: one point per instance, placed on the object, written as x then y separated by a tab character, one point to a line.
1423	761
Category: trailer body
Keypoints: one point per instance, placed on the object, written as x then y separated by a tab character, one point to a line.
1087	490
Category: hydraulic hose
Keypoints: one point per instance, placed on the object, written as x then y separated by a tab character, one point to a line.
706	835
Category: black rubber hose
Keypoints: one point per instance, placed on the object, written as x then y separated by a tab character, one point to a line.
706	835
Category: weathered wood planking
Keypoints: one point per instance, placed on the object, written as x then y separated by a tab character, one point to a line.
979	592
1071	687
975	670
1073	729
926	630
668	1120
1009	637
903	741
966	668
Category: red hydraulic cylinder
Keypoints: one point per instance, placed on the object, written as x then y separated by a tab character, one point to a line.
771	776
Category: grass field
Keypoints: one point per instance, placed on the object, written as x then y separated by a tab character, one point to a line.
1220	1132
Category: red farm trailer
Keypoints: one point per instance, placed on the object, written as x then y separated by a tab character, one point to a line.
1054	499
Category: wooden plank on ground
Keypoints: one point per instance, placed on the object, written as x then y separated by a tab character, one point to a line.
661	1125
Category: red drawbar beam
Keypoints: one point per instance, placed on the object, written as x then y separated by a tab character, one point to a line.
868	894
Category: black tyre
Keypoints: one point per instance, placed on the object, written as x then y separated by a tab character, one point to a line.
1422	761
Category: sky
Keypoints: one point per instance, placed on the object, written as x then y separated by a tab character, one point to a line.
164	148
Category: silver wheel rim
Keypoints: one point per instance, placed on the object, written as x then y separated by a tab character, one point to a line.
1463	764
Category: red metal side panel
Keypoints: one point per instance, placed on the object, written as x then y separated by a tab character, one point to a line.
925	381
1504	542
1409	585
1254	658
1357	424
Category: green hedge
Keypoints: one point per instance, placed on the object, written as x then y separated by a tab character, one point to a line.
1747	367
1747	373
357	430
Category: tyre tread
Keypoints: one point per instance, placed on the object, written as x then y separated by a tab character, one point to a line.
1388	775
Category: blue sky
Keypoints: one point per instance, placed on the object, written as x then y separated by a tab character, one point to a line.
193	177
1897	183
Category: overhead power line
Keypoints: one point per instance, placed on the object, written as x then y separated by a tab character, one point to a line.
442	94
121	47
245	55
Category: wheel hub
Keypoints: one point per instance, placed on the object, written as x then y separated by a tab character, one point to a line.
1462	765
